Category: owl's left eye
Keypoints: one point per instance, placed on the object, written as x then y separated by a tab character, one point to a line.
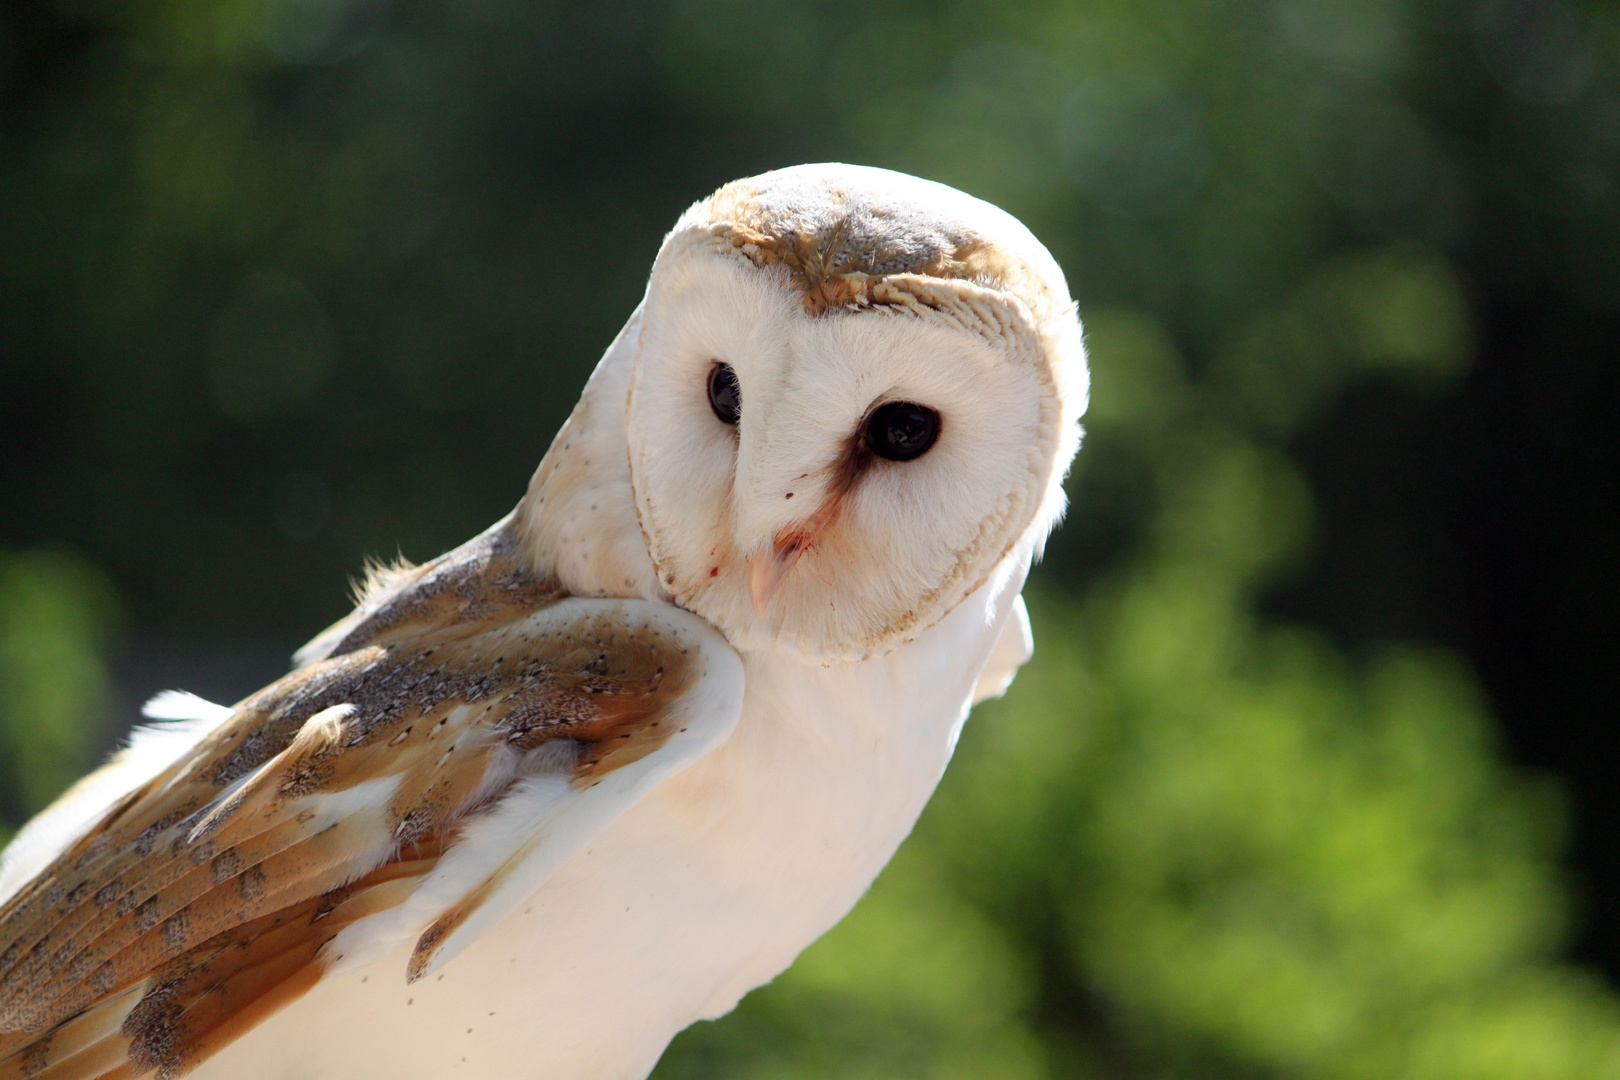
725	393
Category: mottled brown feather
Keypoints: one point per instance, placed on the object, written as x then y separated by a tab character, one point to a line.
846	247
211	891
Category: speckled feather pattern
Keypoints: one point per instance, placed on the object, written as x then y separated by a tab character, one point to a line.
226	875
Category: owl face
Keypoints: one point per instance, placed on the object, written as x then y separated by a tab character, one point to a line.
854	393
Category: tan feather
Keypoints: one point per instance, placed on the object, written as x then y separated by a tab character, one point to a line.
201	903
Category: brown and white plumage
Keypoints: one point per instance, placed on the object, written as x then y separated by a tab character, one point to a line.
211	893
615	761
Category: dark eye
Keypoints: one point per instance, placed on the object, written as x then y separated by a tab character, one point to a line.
725	395
901	431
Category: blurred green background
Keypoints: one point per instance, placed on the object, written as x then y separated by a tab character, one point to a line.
1312	775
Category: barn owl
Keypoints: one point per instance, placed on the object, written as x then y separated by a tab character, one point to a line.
540	803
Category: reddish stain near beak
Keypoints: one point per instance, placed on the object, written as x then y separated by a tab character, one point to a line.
715	572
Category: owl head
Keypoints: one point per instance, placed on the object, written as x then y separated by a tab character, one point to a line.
854	393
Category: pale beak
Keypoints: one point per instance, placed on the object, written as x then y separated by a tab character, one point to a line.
769	569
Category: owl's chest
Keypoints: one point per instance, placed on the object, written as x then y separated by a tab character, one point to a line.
764	844
719	878
790	820
707	888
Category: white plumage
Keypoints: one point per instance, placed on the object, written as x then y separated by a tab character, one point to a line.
612	764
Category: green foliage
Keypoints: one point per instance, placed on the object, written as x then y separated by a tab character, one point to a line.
307	279
55	612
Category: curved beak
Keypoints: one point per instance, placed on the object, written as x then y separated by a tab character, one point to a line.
769	569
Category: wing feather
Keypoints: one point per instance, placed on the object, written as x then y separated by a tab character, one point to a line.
392	786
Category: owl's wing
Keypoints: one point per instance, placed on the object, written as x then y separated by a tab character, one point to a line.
462	740
1012	650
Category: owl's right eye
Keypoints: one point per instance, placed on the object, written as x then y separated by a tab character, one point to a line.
725	393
